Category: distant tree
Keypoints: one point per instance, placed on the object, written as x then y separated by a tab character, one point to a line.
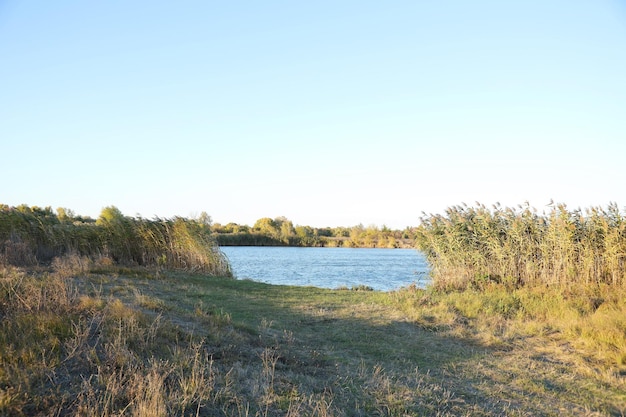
281	230
239	228
341	232
408	233
205	220
356	232
219	228
304	231
267	226
110	215
65	215
23	208
325	231
287	231
41	213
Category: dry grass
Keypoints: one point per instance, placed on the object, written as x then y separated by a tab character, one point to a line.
562	346
474	246
116	343
32	236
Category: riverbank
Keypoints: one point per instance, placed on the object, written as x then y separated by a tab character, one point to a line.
94	339
261	239
282	232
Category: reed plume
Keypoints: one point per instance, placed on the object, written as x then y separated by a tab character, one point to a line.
472	246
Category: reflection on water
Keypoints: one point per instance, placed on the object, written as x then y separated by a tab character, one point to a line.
381	269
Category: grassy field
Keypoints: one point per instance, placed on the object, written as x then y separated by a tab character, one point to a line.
90	338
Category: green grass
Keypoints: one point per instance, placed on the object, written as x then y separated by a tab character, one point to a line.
154	343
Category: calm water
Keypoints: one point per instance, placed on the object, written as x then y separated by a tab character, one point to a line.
381	269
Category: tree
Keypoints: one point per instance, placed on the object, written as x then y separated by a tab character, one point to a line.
65	215
267	227
286	231
110	215
205	220
356	232
304	231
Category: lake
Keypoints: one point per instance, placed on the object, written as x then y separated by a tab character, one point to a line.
381	269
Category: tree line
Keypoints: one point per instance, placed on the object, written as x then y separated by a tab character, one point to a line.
281	231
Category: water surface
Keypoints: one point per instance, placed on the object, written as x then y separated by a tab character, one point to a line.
381	269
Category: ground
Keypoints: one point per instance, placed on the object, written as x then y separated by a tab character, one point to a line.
113	342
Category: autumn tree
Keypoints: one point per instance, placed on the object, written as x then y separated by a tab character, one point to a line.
287	230
267	226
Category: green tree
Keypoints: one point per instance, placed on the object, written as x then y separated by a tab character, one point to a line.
65	215
304	232
110	215
287	231
268	227
341	232
205	220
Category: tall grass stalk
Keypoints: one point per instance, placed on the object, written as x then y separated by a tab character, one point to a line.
472	246
31	235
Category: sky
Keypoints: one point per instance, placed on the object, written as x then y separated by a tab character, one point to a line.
330	113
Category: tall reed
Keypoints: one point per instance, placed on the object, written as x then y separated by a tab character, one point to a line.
31	235
518	246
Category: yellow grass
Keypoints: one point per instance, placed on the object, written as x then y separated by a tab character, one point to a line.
107	343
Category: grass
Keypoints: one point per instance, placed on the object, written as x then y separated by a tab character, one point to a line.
112	341
472	246
527	316
32	236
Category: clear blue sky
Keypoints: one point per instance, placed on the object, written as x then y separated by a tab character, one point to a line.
331	113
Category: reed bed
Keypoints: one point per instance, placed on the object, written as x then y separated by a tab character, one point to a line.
476	246
30	236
